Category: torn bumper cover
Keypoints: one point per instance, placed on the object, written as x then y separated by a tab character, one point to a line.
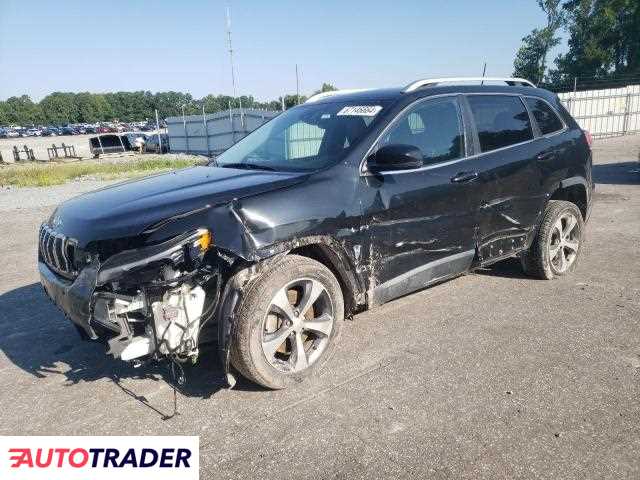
74	298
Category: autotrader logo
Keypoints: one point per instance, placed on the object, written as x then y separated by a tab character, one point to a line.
172	457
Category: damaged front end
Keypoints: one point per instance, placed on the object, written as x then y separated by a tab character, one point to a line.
145	303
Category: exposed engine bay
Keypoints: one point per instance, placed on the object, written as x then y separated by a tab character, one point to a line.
172	329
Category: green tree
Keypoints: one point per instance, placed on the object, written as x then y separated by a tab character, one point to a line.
22	111
59	108
4	113
92	107
169	104
326	87
86	107
604	39
531	59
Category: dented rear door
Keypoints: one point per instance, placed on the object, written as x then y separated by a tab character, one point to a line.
511	188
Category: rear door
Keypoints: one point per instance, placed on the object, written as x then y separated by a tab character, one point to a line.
507	159
421	222
557	150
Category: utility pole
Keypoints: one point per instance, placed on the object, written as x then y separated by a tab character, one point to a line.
233	68
484	71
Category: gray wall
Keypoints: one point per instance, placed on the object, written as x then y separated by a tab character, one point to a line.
223	129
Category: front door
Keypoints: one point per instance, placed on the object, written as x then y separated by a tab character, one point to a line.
421	222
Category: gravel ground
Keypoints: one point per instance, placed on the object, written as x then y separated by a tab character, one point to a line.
29	198
491	375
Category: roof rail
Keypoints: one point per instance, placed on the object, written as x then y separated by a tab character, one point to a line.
321	95
431	82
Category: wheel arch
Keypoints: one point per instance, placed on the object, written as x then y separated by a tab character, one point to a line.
573	190
335	259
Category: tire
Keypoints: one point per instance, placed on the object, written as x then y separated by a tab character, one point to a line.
540	261
294	302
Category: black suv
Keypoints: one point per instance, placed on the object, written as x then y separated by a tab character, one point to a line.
341	204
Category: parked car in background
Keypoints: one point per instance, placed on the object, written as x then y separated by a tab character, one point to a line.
136	140
12	133
3	132
152	144
50	132
68	130
28	132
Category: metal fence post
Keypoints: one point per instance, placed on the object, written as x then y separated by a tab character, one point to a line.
206	131
158	128
233	130
627	112
186	135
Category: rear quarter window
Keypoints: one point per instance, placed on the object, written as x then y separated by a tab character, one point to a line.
501	121
546	118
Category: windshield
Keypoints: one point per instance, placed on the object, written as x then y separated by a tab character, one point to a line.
305	138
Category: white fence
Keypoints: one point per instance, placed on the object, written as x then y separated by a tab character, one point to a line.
608	112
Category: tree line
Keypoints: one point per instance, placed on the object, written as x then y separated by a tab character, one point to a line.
61	108
603	42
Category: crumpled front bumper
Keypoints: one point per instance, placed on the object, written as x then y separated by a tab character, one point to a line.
73	297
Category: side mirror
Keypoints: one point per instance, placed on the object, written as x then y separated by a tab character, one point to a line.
395	157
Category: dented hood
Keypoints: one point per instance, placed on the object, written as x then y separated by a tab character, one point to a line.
129	208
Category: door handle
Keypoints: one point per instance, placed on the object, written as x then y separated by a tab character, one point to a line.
464	177
545	156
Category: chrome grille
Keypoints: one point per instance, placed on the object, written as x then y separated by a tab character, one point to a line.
57	251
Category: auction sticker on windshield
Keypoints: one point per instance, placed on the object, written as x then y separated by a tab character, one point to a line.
361	110
97	458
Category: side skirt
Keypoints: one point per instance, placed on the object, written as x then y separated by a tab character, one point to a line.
421	277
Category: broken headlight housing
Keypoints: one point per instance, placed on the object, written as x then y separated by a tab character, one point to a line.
198	245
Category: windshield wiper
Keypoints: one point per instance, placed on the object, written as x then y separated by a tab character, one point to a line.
247	166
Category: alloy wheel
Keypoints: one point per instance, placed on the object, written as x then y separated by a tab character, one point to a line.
564	242
298	325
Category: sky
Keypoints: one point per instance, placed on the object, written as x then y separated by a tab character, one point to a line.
180	45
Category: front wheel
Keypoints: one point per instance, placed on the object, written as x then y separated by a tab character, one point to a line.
558	243
288	323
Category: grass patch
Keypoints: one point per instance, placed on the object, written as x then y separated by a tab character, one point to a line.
58	173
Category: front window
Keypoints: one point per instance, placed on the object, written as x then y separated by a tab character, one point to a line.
305	138
434	126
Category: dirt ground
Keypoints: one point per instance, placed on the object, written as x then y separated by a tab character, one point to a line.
39	145
491	375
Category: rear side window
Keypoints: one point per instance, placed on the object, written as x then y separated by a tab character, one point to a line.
501	120
434	127
547	120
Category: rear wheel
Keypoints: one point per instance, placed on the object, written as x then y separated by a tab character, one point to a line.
288	324
558	243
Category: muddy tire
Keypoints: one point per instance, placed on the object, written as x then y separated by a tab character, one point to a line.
288	323
556	248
